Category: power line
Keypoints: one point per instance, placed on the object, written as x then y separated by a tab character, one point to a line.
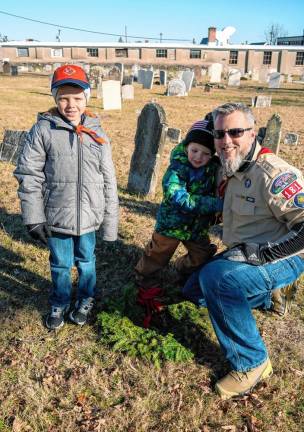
89	31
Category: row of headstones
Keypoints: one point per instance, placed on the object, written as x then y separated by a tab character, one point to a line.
150	138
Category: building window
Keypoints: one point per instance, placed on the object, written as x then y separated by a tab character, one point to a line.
121	52
195	54
56	52
233	57
163	53
22	52
92	52
267	57
300	58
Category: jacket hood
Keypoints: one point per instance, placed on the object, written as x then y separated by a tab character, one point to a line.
179	153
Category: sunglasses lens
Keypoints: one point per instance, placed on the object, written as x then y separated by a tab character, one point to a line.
218	134
236	133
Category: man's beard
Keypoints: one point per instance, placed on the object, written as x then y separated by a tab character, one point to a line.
232	165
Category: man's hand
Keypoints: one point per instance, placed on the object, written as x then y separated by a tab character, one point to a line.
244	252
39	232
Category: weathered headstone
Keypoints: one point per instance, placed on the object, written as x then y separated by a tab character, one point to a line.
12	145
291	139
273	133
261	101
176	87
120	67
114	73
14	70
197	73
140	76
274	80
174	134
188	77
215	72
135	71
234	78
127	92
99	91
148	79
111	95
127	80
163	77
150	139
6	68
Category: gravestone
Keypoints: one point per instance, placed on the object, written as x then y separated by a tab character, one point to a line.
302	77
48	68
197	73
174	134
114	74
150	140
261	101
274	80
289	78
291	139
140	76
163	77
176	87
12	145
135	71
234	78
93	84
99	91
127	92
6	68
121	68
187	77
148	77
111	94
215	72
273	133
14	70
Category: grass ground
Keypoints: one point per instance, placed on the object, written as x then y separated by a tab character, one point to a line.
74	380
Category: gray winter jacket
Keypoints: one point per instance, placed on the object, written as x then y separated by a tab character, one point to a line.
67	180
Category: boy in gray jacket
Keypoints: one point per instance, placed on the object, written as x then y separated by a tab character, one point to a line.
67	188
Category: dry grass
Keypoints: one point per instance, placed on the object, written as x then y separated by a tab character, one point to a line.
72	382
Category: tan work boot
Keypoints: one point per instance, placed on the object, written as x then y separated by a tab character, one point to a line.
239	383
282	297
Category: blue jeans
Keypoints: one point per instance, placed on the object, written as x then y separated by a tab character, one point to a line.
230	290
65	252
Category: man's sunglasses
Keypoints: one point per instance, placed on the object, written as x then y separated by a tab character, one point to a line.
233	133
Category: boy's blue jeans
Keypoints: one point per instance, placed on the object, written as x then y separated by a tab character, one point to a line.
65	252
230	290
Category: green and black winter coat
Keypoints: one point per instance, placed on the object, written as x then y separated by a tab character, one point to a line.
189	198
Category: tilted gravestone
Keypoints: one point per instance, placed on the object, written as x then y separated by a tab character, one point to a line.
291	139
176	87
187	77
12	145
273	133
150	139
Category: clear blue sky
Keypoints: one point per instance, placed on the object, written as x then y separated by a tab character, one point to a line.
180	19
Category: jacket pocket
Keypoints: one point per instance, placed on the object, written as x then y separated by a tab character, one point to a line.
242	207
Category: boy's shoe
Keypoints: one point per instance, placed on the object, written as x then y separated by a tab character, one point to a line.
55	319
81	311
240	383
282	298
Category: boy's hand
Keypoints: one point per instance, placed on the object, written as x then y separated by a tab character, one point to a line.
39	232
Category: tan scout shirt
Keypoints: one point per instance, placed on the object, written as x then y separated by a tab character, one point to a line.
264	202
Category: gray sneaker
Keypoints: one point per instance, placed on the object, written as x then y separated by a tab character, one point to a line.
55	318
81	311
282	297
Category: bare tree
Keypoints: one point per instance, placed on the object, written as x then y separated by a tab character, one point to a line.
274	31
3	38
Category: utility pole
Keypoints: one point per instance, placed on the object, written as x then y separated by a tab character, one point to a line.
160	37
58	39
126	34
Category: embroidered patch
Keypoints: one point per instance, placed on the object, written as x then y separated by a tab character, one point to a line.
282	181
299	200
247	183
250	199
291	190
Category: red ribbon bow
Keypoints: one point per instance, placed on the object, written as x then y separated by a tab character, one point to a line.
147	298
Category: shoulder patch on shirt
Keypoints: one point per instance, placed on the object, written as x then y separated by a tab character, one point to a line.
298	200
267	167
282	181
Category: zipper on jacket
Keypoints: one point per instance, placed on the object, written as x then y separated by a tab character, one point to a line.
79	183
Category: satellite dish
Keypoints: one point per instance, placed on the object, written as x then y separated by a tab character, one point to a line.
223	36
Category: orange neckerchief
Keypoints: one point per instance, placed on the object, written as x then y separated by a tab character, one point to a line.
80	129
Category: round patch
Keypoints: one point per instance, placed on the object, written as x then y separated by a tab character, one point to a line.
299	200
247	183
282	181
